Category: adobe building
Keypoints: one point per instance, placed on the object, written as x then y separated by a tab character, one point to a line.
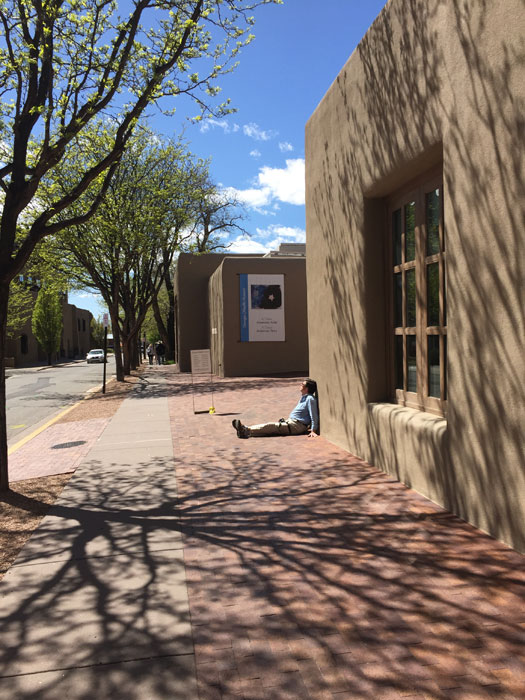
23	350
76	332
415	210
250	310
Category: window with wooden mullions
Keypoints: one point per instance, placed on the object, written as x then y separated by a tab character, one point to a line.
418	283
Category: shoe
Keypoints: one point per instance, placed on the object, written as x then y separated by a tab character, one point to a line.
242	431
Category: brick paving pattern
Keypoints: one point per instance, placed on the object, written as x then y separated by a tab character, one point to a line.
313	575
56	450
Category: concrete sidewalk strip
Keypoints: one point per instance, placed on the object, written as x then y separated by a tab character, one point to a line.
121	434
170	677
111	456
93	611
66	540
98	595
115	512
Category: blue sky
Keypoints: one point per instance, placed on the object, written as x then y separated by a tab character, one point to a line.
258	152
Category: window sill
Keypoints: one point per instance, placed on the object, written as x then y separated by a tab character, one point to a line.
414	419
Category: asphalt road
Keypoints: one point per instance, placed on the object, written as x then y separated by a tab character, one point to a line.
35	395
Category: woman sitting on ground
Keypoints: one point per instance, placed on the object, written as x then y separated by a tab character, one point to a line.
303	419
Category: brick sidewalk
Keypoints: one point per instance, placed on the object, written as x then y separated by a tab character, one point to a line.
313	575
58	449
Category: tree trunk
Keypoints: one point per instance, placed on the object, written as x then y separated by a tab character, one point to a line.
170	321
126	353
4	472
161	328
134	351
133	330
130	330
119	371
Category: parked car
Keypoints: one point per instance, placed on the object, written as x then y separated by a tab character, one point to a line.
95	356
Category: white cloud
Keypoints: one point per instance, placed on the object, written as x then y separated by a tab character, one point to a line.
274	185
223	124
255	153
252	197
247	246
267	239
285	147
290	234
285	184
255	132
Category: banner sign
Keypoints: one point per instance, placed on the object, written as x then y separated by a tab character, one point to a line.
200	361
262	308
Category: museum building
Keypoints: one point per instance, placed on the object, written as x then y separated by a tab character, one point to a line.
415	217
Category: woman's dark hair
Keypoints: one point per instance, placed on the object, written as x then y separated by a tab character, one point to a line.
311	385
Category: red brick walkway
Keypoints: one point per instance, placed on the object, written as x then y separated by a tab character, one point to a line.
313	575
59	449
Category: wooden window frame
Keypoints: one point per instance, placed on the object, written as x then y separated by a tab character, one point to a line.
416	191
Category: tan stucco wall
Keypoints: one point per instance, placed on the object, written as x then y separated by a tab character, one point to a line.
216	329
33	355
431	80
191	290
84	334
191	279
74	342
231	357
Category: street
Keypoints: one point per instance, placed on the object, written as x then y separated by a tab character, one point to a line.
34	395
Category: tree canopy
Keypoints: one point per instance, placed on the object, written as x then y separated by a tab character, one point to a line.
20	306
65	64
127	247
47	321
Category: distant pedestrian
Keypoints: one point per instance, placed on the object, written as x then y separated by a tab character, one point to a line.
160	351
150	351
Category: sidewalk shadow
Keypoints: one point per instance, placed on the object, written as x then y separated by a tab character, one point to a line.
176	384
328	554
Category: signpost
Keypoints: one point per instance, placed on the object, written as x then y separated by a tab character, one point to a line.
105	321
201	364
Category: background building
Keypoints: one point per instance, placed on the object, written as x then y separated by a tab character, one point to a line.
415	191
23	350
208	311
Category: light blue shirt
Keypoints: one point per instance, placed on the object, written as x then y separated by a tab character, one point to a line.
307	412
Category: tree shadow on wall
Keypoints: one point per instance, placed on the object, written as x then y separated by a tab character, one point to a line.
418	95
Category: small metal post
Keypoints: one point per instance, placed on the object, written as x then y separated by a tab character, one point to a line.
105	359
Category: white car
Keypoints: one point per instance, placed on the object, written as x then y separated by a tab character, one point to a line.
95	356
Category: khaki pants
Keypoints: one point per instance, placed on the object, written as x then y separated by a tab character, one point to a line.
288	427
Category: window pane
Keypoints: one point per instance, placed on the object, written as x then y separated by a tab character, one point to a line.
411	363
433	366
433	294
410	231
432	211
396	236
398	300
398	361
410	280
